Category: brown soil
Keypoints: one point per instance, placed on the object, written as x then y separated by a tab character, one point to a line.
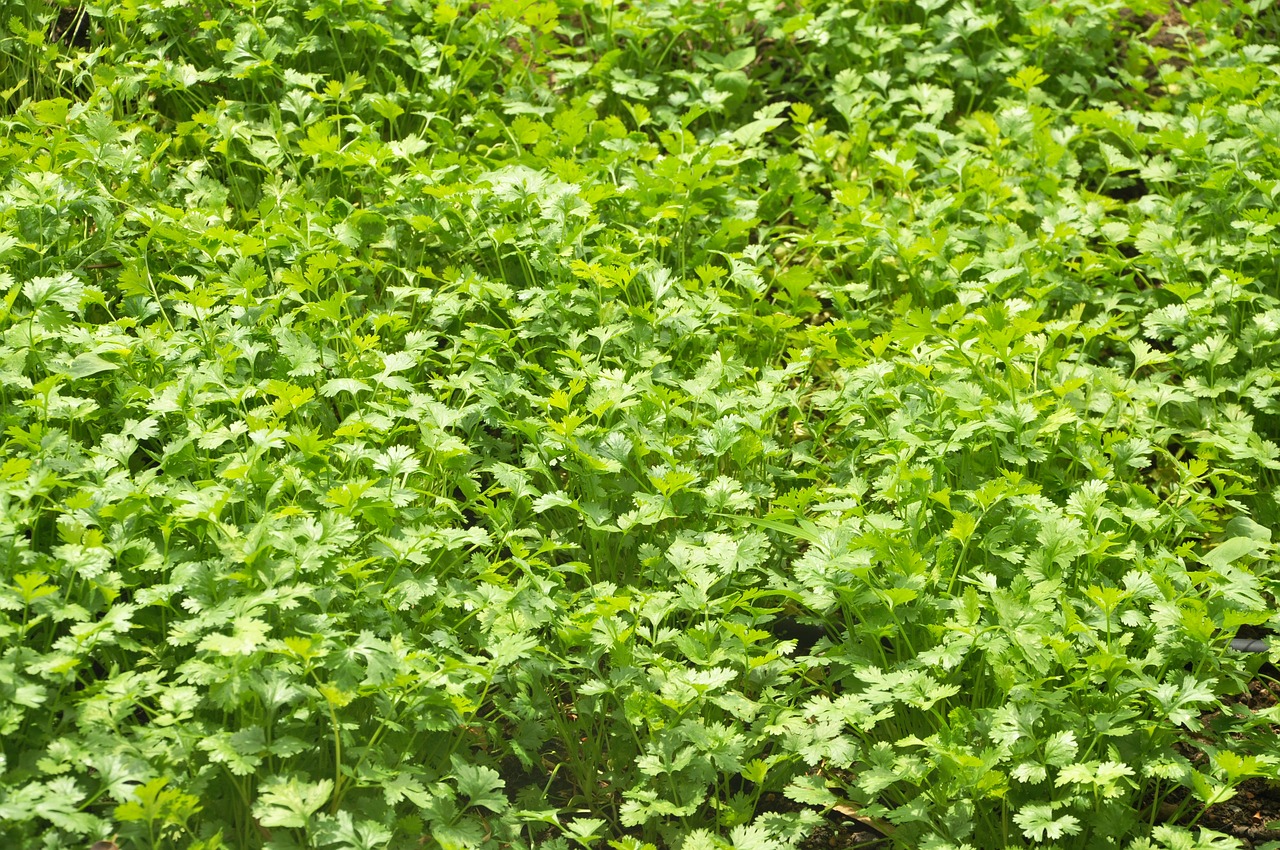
842	836
842	831
1253	815
1167	36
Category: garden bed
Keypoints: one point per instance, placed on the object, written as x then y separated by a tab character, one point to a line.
638	426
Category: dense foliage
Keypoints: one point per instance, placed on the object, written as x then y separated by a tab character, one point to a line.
418	420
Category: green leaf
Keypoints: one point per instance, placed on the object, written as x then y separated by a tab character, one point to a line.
155	803
1060	750
739	59
290	803
1229	551
481	785
1243	526
1039	824
88	364
811	791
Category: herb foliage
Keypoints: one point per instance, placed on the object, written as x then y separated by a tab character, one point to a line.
418	420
